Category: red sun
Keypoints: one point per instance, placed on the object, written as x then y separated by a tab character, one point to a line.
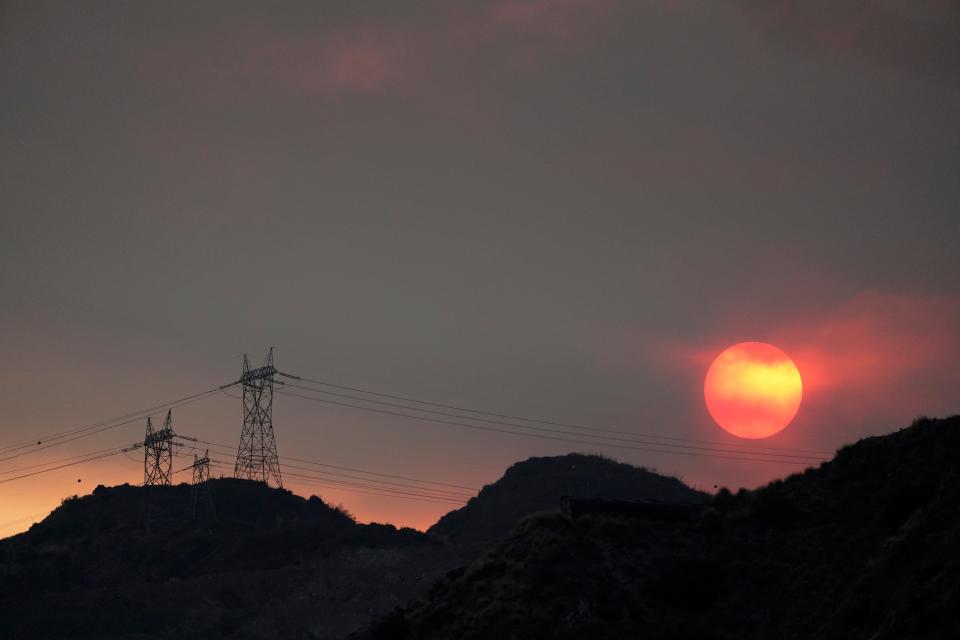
753	390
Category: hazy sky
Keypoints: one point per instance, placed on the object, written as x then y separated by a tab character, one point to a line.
556	208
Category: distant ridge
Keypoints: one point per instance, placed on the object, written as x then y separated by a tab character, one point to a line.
537	484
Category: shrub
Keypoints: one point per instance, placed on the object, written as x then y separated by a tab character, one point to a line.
774	505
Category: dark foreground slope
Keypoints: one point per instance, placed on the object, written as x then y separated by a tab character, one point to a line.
537	484
865	547
271	565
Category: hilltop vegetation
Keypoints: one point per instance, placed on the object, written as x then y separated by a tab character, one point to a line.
866	546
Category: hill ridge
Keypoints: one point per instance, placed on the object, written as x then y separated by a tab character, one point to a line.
538	483
863	547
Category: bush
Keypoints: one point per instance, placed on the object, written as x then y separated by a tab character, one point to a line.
774	505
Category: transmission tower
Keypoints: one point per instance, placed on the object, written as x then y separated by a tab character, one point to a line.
257	454
200	488
158	454
201	468
157	470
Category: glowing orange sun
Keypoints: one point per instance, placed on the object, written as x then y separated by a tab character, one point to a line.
753	390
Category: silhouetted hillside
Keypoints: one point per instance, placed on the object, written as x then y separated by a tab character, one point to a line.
866	546
537	484
238	504
270	565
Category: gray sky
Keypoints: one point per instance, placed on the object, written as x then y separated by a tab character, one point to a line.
560	209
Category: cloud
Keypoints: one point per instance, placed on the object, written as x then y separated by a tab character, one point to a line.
361	62
879	356
245	59
885	348
532	31
555	19
917	36
432	56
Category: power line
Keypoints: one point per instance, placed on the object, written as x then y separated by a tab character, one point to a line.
382	475
354	469
8	523
54	436
56	444
541	421
540	436
126	454
380	484
104	425
804	458
377	487
70	464
329	485
374	490
385	485
385	482
49	462
408	491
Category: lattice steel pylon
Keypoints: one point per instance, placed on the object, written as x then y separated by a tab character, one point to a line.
157	471
257	453
158	454
201	468
200	488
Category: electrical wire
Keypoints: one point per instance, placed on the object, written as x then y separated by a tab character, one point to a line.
383	482
377	484
229	451
64	466
803	458
8	523
380	484
377	487
332	476
545	437
424	493
541	421
382	475
49	462
142	413
105	425
310	482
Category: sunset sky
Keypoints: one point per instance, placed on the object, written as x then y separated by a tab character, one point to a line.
558	209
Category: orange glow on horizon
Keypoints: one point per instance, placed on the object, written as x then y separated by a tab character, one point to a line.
753	390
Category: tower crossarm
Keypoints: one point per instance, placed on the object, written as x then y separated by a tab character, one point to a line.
260	373
158	436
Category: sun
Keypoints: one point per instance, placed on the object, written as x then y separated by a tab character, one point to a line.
753	390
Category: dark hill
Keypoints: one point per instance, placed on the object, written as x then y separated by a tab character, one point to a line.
537	484
867	546
270	565
263	563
